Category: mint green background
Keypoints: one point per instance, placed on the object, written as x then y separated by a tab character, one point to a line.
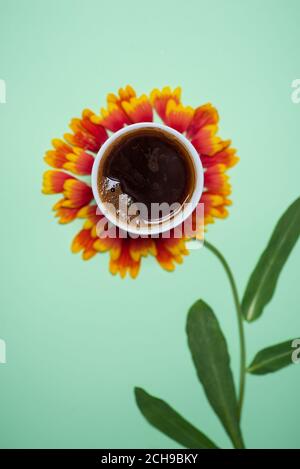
78	339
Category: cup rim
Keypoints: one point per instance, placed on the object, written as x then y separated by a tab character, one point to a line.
187	209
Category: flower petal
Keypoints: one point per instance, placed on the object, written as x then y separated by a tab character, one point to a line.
216	180
124	94
53	181
214	206
141	247
87	134
178	116
204	115
57	157
170	251
91	213
84	242
114	117
65	214
206	141
138	109
124	262
77	193
159	99
113	245
79	162
226	156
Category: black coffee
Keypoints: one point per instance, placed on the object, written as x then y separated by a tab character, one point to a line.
148	166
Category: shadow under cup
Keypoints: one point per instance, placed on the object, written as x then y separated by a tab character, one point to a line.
147	179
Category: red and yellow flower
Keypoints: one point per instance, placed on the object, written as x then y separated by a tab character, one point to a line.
73	157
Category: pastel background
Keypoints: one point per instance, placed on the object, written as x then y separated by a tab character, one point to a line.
78	339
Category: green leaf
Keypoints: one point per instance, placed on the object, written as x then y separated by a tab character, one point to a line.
271	359
263	281
210	355
168	421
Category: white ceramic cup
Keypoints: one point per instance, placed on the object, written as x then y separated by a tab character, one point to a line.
186	210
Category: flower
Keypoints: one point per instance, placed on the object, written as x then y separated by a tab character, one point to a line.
72	158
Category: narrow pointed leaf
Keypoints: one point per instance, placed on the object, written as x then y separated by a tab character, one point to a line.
263	281
272	358
211	359
159	414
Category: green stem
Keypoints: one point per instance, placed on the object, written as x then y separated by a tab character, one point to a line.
238	308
